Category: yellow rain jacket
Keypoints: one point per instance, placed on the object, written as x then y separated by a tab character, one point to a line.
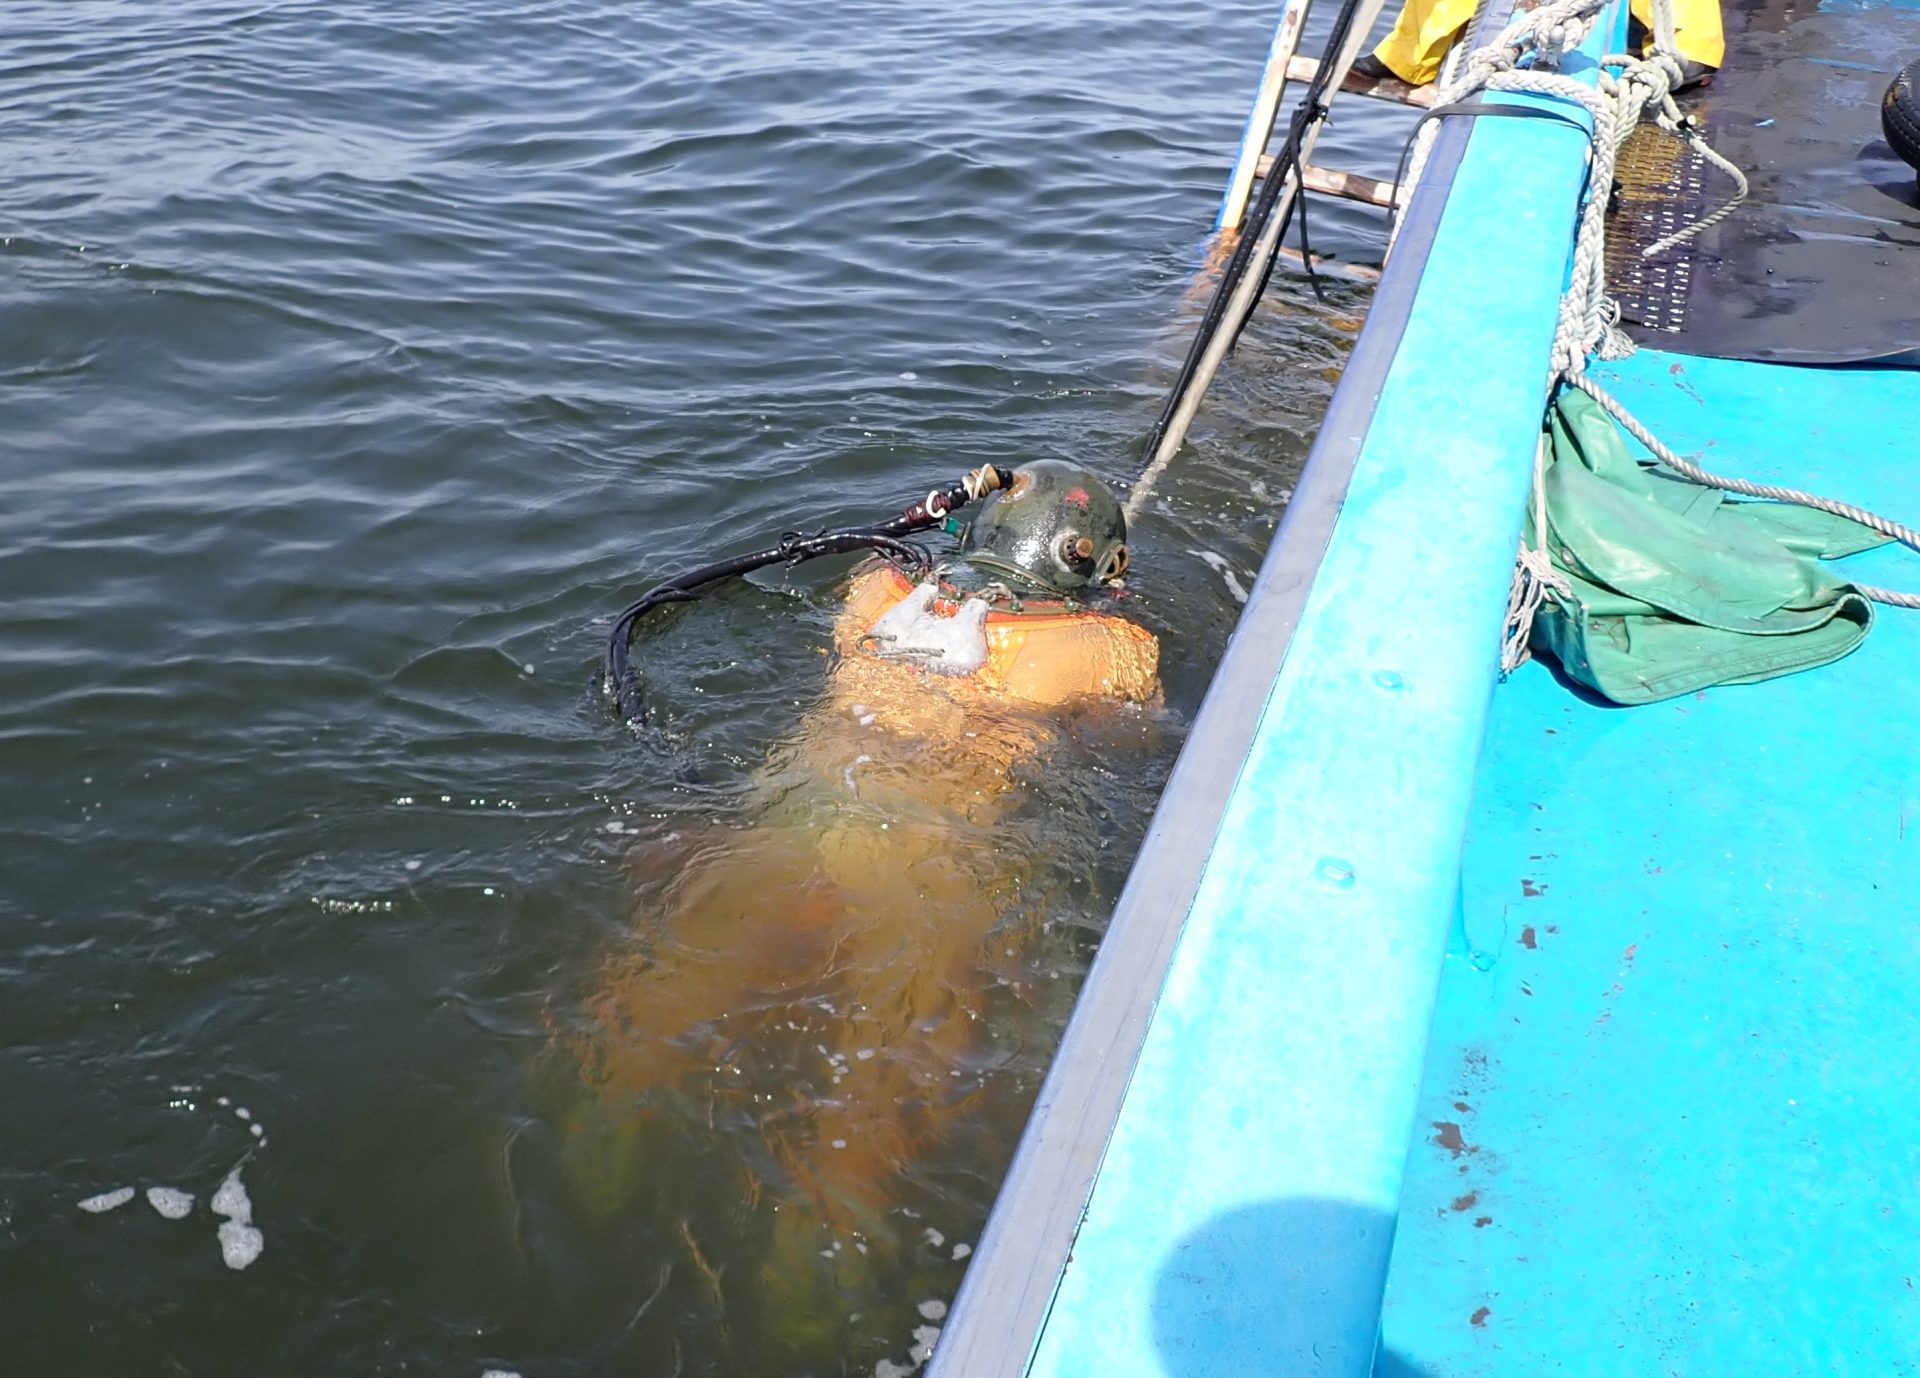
1427	28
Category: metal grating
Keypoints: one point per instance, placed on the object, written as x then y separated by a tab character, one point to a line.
1661	188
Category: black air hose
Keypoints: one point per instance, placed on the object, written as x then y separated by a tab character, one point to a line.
620	682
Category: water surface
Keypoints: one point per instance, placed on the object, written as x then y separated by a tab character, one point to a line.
358	361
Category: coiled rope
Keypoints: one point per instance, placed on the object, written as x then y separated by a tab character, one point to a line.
1628	89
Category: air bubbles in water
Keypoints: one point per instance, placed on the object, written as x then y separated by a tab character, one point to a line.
107	1200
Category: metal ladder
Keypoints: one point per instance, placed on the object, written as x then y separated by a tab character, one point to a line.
1284	65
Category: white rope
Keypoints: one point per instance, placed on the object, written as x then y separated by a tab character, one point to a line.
1535	580
1886	526
981	482
1705	222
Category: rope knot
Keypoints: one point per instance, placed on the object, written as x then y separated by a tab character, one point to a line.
980	482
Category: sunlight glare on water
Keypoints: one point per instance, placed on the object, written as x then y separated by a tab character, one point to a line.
359	362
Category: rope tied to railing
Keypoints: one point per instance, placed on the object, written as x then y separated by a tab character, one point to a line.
1628	90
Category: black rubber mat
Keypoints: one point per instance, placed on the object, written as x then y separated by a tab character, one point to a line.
1822	263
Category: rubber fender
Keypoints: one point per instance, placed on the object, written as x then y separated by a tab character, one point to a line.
1900	114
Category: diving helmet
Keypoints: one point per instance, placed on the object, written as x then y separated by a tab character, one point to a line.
1057	528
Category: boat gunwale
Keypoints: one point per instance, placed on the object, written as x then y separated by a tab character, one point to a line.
997	1317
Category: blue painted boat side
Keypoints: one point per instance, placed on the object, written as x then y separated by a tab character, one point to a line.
1244	1210
993	1328
1669	1123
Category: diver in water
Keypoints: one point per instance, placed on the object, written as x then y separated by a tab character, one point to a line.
819	977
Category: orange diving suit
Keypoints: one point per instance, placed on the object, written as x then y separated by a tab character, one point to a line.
819	976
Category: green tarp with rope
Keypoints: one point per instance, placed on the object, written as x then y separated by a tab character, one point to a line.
1671	586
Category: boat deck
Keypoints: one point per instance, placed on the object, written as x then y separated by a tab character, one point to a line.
1821	263
1669	1122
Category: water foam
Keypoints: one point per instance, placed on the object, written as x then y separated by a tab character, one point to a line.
107	1200
171	1202
1218	564
924	1339
240	1242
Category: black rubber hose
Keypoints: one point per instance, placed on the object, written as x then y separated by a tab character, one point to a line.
620	683
623	686
931	510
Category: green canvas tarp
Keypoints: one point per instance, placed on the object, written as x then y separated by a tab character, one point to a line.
1677	586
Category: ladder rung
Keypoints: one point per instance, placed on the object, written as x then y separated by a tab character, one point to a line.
1350	186
1333	267
1386	88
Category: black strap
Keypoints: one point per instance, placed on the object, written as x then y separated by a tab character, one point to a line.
1473	109
1485	107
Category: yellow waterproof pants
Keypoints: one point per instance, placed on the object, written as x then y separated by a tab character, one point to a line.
1426	29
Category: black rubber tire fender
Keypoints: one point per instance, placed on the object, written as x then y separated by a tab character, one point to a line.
1900	114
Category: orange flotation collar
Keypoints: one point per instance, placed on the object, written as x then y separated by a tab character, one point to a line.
1043	651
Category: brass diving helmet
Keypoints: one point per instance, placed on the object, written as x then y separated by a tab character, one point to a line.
1058	529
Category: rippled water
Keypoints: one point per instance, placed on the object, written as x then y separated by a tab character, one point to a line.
357	362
